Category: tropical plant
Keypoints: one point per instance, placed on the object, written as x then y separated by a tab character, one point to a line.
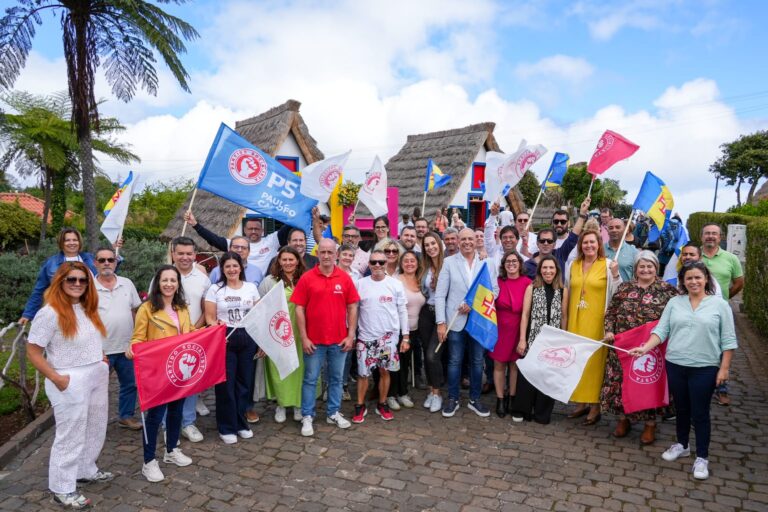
124	34
39	140
348	192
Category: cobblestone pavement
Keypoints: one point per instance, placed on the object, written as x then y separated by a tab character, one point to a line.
421	461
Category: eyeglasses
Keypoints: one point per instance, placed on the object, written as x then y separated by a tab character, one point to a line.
513	261
76	280
546	241
380	263
381	227
350	235
560	221
391	251
105	260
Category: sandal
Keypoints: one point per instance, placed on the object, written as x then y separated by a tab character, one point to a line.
591	420
578	413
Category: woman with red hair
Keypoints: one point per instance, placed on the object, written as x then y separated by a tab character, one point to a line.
70	332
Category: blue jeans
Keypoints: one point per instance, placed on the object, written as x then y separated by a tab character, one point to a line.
457	343
152	421
232	398
692	390
312	365
125	376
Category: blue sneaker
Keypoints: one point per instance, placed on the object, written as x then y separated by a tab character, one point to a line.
479	408
450	408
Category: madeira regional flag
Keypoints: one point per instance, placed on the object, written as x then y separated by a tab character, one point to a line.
655	200
481	322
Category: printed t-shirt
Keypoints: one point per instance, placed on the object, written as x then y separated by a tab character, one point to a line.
382	304
232	304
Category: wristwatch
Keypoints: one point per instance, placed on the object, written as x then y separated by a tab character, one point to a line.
584	216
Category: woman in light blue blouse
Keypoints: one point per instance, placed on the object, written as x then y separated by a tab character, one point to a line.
699	329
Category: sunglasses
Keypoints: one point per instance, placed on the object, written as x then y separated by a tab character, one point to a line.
106	260
76	280
546	241
560	221
391	251
380	263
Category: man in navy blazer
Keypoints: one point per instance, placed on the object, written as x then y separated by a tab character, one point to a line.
453	283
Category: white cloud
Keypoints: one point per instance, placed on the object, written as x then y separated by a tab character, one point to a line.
559	67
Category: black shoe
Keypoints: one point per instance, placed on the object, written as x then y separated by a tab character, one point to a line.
508	400
501	407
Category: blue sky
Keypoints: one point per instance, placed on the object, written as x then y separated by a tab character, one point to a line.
678	77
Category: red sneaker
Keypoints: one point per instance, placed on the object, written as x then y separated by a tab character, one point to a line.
383	411
360	412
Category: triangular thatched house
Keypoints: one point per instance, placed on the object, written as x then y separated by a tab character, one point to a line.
459	153
280	132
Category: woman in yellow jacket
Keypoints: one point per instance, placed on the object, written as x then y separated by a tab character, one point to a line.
164	314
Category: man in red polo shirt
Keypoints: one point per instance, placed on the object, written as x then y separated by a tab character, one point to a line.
326	314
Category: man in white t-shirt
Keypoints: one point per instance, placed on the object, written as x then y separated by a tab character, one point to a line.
506	217
118	301
383	317
263	249
195	283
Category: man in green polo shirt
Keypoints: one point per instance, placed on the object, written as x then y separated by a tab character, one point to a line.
726	268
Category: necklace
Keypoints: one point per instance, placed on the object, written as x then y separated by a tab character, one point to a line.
583	304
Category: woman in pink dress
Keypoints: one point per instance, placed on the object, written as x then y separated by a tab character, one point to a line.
509	310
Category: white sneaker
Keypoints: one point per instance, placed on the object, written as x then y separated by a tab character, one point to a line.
279	414
306	426
200	408
246	434
151	471
176	457
428	401
297	414
393	403
228	438
73	500
192	433
701	469
339	420
437	404
405	401
675	451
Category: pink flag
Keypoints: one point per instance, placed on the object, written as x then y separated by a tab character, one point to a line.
644	380
611	148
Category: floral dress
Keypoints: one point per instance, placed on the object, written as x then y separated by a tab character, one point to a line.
630	307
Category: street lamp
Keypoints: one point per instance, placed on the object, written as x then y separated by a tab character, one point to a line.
714	202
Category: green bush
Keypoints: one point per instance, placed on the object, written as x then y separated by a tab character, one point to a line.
753	210
141	259
756	274
697	220
17	278
17	225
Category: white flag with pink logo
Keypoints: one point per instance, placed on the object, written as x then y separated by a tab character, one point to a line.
502	171
373	192
320	178
269	324
555	362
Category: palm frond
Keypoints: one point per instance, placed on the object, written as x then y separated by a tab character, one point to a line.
17	29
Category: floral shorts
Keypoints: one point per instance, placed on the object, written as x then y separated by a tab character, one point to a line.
380	353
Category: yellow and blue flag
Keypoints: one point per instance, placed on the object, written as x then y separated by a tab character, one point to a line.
557	170
435	177
120	191
481	322
655	200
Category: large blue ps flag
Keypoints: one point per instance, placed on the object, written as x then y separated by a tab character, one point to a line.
242	173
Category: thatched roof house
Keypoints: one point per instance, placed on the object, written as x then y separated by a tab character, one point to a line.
459	153
280	132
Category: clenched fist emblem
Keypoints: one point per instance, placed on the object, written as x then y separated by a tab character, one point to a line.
187	365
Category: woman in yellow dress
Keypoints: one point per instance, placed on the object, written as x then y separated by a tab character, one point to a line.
591	280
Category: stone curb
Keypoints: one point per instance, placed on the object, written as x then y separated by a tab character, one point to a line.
18	442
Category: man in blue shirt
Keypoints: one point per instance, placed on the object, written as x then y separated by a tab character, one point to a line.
626	257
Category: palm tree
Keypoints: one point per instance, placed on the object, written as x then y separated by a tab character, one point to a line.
39	139
124	34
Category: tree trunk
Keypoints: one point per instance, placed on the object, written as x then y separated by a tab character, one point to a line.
89	191
58	200
46	204
738	191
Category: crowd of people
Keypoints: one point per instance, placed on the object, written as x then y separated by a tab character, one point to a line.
386	319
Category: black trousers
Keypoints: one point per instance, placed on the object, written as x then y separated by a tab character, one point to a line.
434	363
531	403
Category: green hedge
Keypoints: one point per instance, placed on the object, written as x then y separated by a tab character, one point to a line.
17	225
756	268
697	220
756	274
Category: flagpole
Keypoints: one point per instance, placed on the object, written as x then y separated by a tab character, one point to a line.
607	345
191	202
450	324
589	192
424	203
530	217
624	236
354	210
